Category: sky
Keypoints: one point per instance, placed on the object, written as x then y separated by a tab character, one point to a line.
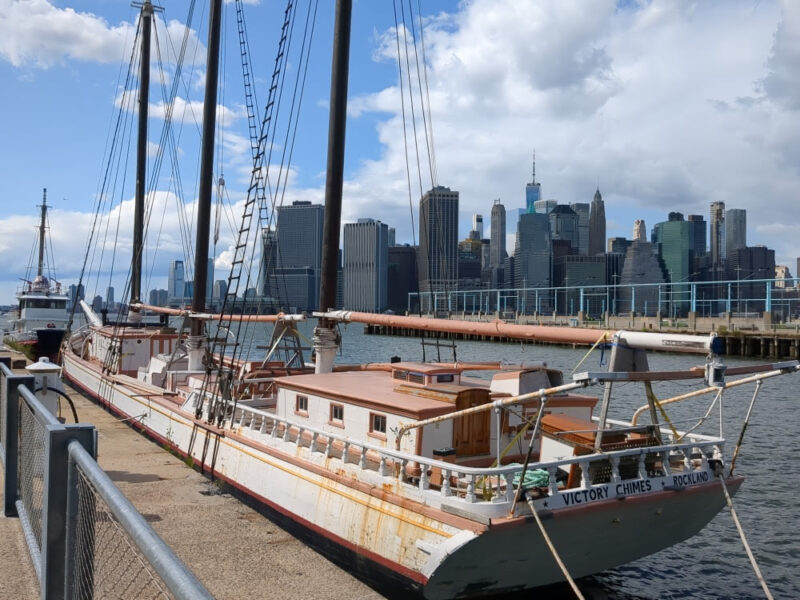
666	105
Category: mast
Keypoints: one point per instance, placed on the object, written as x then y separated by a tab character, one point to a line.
205	185
40	270
325	339
141	154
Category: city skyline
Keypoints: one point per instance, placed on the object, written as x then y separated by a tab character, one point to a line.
666	106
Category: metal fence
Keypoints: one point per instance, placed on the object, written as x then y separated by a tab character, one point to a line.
86	540
746	297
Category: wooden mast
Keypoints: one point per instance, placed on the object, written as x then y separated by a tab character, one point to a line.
325	338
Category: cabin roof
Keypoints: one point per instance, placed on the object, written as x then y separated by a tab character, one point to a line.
376	390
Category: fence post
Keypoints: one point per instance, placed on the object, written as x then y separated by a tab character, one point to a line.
55	520
4	361
11	436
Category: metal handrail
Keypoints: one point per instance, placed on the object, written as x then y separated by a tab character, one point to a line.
166	563
696	441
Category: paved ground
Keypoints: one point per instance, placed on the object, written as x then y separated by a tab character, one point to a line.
232	549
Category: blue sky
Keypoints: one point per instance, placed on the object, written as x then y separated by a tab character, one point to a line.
668	105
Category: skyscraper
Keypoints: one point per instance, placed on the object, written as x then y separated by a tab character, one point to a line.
532	256
533	190
299	254
109	296
674	241
717	227
267	264
175	281
438	240
497	242
639	231
544	207
365	269
564	225
582	209
735	230
697	232
209	280
597	225
477	227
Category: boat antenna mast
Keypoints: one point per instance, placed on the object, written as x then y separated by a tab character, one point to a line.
326	338
42	227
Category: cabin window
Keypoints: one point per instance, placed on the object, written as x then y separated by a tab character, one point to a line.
416	378
400	374
337	414
449	378
377	424
301	404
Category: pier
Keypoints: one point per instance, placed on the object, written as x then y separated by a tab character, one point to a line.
231	548
746	337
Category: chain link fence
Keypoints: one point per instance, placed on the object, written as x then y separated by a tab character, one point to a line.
86	540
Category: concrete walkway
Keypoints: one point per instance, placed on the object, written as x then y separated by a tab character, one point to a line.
234	551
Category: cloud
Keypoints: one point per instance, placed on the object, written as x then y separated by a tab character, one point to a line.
668	105
37	34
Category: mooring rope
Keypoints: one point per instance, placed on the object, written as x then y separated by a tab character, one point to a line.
750	555
552	548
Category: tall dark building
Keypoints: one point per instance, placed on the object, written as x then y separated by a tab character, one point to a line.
746	265
697	232
533	190
564	224
438	240
735	230
402	276
532	257
717	235
597	225
497	242
268	264
299	254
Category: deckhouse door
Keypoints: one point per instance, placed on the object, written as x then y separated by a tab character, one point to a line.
471	433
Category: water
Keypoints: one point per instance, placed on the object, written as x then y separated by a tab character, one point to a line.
712	564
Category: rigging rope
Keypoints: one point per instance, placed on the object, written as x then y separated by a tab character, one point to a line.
750	554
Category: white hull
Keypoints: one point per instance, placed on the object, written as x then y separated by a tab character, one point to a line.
398	526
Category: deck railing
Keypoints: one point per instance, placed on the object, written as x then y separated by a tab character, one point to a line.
86	540
464	483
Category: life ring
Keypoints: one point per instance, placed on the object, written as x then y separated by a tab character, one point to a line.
51	325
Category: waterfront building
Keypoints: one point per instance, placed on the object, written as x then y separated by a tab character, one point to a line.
219	292
402	277
584	272
783	276
175	282
365	267
392	235
697	234
533	190
477	227
717	237
532	257
735	230
746	265
497	240
641	265
158	297
110	297
639	231
76	294
545	207
583	210
564	225
267	263
618	245
438	240
674	241
299	254
597	225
